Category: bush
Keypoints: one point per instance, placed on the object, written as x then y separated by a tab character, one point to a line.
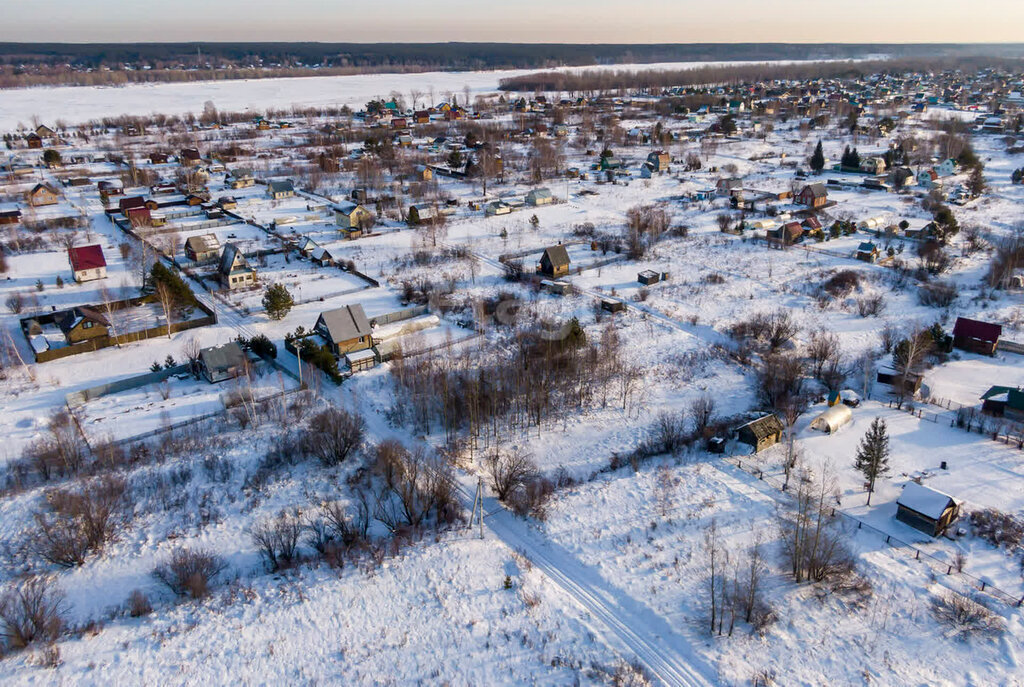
842	283
31	611
278	540
138	604
189	572
333	435
871	306
937	294
965	617
79	522
998	528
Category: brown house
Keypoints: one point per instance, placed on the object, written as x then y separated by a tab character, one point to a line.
10	214
42	194
554	262
34	141
82	324
976	336
346	329
813	196
190	157
202	248
926	509
760	433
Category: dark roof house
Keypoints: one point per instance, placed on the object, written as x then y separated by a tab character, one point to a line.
976	336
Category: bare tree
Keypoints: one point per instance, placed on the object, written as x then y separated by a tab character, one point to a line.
509	471
166	297
31	611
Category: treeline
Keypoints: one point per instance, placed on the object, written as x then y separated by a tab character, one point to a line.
28	64
647	80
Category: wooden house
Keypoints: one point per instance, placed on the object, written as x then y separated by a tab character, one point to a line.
41	195
220	363
234	270
976	336
242	178
33	140
760	433
423	213
202	248
787	234
82	324
659	161
1004	401
158	158
190	157
813	196
279	190
87	263
539	196
926	509
10	214
349	216
345	329
554	262
867	251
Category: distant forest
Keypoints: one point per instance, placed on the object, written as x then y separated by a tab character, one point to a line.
592	81
30	64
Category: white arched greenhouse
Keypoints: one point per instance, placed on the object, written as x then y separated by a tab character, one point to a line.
833	418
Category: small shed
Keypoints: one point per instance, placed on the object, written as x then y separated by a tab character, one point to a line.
648	277
926	509
539	196
760	433
361	360
832	419
219	363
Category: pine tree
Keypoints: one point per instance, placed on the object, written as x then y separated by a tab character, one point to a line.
873	454
277	302
818	159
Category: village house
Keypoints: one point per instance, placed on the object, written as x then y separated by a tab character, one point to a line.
41	195
926	509
190	157
352	218
760	433
554	262
788	234
976	336
873	165
726	187
234	270
34	141
9	214
279	190
220	363
423	213
87	263
539	196
867	251
659	161
497	207
813	196
242	178
82	324
202	248
345	329
1004	401
928	179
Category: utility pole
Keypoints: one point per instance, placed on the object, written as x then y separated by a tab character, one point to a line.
478	506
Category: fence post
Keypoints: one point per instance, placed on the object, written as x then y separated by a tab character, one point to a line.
949	570
917	554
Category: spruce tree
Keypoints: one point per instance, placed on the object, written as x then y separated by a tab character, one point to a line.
277	302
818	159
873	454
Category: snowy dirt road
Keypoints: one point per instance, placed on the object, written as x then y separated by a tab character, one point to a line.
622	621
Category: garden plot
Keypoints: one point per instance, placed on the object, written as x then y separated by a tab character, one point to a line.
247	237
154	406
979	472
644	533
305	280
967	376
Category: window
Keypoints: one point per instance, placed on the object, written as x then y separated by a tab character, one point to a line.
87	325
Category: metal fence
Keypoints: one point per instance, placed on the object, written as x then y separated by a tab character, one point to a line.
936	564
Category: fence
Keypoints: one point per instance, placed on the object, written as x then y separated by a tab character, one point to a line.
83	396
895	543
1009	346
399	315
106	341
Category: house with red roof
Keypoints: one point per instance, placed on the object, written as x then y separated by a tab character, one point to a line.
976	336
87	263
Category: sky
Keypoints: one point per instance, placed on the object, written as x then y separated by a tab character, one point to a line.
519	21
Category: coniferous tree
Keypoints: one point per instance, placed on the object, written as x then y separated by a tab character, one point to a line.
277	301
873	454
818	159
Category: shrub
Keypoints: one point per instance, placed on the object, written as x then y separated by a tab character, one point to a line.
998	528
842	283
509	472
965	617
79	522
138	604
278	540
937	294
189	572
277	302
31	611
870	306
333	435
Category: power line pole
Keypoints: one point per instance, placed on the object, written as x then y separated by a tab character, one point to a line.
478	506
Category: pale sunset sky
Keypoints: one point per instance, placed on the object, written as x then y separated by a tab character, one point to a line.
522	21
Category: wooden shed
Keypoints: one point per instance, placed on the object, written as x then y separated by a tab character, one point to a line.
926	509
760	433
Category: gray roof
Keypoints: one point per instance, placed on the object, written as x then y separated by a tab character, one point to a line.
223	357
557	255
924	500
345	323
204	243
281	187
70	319
227	259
